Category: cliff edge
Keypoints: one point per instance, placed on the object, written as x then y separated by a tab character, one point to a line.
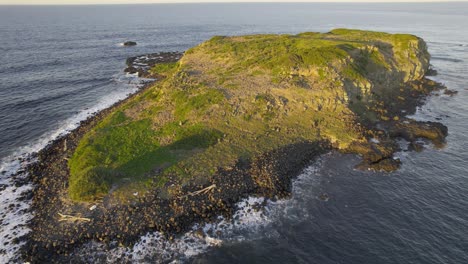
234	98
235	116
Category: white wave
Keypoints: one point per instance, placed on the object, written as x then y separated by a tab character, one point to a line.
154	247
14	214
133	79
251	221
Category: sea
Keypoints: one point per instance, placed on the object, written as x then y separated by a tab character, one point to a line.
60	64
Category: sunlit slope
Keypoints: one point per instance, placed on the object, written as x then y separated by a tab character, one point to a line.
233	98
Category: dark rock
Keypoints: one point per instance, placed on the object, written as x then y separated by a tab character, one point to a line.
431	72
131	70
199	233
386	165
129	43
143	63
450	92
411	130
324	197
416	146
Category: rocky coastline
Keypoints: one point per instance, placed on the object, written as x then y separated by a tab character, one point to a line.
53	238
141	65
53	241
151	213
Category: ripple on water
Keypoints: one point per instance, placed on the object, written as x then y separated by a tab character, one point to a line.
14	207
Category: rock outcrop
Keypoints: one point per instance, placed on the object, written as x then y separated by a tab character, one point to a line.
143	65
129	43
236	116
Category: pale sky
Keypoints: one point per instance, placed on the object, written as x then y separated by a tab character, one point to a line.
61	2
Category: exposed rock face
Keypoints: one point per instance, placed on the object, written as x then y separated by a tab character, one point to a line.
235	116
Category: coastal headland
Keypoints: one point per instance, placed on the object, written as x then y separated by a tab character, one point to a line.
231	118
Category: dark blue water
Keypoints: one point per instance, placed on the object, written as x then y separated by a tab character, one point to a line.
59	64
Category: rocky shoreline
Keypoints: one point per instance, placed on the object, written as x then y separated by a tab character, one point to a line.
53	238
52	241
141	65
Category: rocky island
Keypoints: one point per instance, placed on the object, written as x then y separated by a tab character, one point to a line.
233	117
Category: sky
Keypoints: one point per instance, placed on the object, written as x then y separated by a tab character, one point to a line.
57	2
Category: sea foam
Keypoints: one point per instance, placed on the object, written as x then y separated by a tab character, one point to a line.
253	219
15	212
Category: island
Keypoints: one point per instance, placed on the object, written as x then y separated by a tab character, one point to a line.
233	117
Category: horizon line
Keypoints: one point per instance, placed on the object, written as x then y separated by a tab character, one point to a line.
247	2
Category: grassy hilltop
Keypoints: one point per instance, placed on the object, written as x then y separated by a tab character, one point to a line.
235	98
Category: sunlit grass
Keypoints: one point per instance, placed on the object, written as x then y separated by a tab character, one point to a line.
234	98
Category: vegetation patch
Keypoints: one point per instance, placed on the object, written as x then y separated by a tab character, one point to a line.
164	68
236	98
236	117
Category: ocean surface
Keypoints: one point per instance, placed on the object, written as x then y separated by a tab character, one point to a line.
60	64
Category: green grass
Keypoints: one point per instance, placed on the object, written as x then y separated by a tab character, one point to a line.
233	98
164	68
199	101
118	149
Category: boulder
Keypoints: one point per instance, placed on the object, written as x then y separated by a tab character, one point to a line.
129	43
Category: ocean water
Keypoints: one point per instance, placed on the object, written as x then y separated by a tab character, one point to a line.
60	64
